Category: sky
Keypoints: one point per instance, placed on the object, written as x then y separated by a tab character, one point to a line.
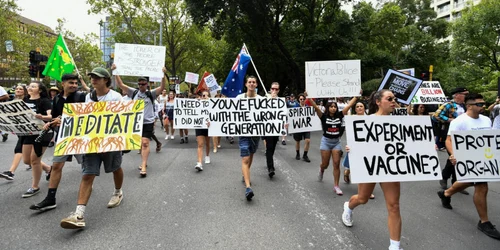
74	11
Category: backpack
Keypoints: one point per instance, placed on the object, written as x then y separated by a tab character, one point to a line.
149	95
78	97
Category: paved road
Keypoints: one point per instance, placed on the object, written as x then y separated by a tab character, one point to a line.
176	207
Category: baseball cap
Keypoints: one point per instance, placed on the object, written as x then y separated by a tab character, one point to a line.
458	90
100	72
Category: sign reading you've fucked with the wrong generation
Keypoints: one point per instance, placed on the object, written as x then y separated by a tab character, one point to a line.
333	78
391	149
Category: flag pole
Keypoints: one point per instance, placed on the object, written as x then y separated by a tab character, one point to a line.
251	60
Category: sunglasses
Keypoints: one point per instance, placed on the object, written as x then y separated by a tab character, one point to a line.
301	99
142	84
478	104
275	89
391	99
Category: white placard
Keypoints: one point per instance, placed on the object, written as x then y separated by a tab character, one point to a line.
191	78
190	113
430	92
333	78
155	79
139	60
478	155
303	119
391	149
177	88
247	117
17	118
212	83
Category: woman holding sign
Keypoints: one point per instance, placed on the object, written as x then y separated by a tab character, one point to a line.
382	102
202	138
332	122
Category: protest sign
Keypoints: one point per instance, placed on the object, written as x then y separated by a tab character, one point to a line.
478	155
333	78
410	72
212	84
403	86
97	127
17	118
391	149
247	117
139	60
303	119
191	78
430	92
190	113
400	111
177	88
155	79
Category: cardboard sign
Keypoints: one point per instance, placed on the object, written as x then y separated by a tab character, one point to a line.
391	149
303	119
190	113
403	86
191	78
400	111
410	72
139	60
97	127
247	117
212	84
333	78
177	88
430	92
478	155
17	118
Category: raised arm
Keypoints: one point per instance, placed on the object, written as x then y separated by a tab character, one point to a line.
163	82
119	81
315	106
85	87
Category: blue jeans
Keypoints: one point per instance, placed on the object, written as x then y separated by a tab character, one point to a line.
248	145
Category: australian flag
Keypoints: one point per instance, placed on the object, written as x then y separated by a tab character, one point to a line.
233	85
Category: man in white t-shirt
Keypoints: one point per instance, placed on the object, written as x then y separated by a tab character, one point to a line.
471	120
3	97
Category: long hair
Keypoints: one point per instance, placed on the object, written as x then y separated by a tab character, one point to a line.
415	109
353	109
327	109
374	97
25	91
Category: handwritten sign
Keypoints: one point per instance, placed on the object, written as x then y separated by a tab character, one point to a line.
190	113
400	111
478	155
429	93
391	149
212	84
139	60
97	127
333	78
403	86
17	118
303	119
191	78
247	117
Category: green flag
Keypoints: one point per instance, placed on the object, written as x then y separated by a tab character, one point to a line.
60	61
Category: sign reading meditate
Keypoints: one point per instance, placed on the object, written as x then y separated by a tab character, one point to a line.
429	93
403	86
139	60
16	117
303	119
97	127
191	78
391	149
478	155
247	117
190	113
333	78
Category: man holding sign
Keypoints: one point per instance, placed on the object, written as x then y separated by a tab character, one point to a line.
470	120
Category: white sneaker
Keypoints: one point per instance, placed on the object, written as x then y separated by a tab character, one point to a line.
167	137
346	216
207	159
171	137
198	167
218	146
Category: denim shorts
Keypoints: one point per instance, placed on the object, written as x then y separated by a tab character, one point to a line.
346	161
330	144
248	145
91	164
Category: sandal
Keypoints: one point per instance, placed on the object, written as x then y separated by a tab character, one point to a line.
158	147
140	167
347	178
143	173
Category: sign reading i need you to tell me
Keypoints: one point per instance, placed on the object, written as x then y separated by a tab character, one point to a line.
139	60
190	113
247	117
430	92
402	85
98	127
391	149
303	119
333	78
16	117
478	155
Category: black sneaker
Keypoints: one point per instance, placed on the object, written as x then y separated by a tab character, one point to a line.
186	139
31	192
51	144
488	229
297	157
5	137
446	201
271	172
283	142
443	184
249	194
7	175
306	158
182	140
464	192
231	140
46	204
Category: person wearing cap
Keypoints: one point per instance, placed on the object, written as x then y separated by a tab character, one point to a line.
142	93
91	163
53	92
444	115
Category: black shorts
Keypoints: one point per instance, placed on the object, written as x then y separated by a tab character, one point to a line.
301	136
19	145
148	130
201	132
38	147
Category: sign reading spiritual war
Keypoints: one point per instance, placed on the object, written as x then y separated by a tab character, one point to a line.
303	119
333	78
191	78
403	86
16	117
429	93
400	111
190	113
478	155
97	127
391	149
247	117
139	60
